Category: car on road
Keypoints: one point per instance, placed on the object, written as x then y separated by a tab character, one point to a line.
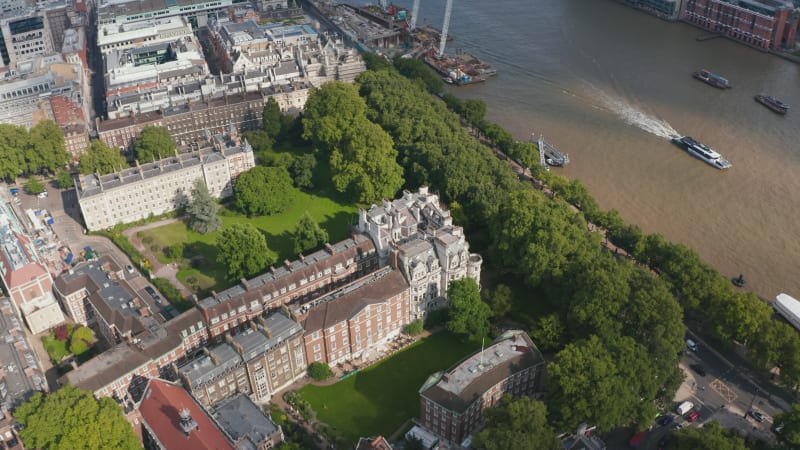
665	420
698	369
153	294
691	345
758	416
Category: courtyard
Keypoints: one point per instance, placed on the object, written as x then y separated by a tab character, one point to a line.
381	398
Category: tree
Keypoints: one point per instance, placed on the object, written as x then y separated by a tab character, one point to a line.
415	328
308	235
81	340
70	418
469	315
47	151
518	424
154	143
710	437
303	171
271	118
264	191
243	250
362	155
13	142
501	300
366	165
34	186
609	384
790	434
417	70
102	159
203	209
64	179
320	371
549	332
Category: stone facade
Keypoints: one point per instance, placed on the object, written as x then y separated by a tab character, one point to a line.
158	187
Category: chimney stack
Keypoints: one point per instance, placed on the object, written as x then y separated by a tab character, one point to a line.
187	423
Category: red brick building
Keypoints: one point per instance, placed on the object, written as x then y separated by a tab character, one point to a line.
452	402
768	24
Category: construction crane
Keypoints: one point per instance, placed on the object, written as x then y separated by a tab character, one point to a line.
414	13
447	10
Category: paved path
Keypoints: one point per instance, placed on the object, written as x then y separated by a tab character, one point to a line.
160	270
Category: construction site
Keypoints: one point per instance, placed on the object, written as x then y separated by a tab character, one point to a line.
389	30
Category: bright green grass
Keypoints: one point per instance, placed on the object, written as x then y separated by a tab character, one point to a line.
379	399
334	216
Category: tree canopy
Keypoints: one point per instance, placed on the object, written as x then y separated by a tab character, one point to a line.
790	434
362	155
308	235
711	436
469	315
203	209
102	159
243	250
518	424
272	118
264	191
154	143
42	150
71	419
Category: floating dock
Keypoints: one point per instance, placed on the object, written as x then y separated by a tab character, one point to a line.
460	69
552	156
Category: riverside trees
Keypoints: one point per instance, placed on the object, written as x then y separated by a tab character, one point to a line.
626	316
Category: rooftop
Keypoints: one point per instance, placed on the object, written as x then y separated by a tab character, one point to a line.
93	185
161	408
20	373
244	422
468	380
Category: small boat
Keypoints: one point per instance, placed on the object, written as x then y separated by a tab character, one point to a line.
772	103
701	151
712	79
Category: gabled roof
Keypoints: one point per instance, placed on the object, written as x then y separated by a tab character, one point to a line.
160	409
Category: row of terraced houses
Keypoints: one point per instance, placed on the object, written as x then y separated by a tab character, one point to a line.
343	302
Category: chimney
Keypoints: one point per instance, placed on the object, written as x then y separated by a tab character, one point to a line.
187	423
272	269
245	284
288	264
329	248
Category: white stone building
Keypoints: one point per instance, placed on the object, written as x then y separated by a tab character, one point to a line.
429	249
154	188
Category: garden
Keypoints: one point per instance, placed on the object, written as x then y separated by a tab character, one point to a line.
196	253
378	400
69	339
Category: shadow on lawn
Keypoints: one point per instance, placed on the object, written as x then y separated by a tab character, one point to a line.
392	386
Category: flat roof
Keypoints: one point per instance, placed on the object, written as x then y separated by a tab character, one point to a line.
462	384
21	375
244	422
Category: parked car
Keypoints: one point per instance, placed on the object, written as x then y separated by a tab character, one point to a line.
42	194
691	345
665	420
758	416
698	369
129	268
153	294
693	416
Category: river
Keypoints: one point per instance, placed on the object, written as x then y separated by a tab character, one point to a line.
608	84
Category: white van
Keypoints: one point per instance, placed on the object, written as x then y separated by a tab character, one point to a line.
684	408
691	345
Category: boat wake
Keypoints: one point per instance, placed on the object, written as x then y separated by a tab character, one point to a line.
640	119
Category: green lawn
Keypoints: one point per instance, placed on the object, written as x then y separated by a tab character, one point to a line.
334	216
379	399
